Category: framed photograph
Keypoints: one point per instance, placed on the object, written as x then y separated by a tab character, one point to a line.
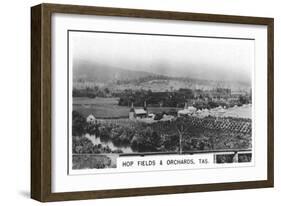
130	102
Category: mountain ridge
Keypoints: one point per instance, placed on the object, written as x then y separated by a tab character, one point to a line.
104	74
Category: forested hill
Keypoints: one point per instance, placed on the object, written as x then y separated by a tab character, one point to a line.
119	78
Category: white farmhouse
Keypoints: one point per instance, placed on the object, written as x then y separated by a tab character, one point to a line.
188	110
91	119
138	113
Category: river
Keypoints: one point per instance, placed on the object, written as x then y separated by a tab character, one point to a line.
96	140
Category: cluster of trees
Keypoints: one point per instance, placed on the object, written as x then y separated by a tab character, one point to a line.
140	140
82	145
176	99
146	140
162	99
80	125
91	92
244	100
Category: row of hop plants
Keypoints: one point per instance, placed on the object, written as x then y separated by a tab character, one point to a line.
232	124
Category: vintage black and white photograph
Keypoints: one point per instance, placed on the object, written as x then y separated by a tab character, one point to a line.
132	102
146	95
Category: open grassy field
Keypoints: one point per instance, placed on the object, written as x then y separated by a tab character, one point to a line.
100	107
104	108
108	107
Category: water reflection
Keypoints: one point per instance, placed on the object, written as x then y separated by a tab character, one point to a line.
96	140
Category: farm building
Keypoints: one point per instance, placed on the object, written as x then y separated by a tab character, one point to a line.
187	111
218	111
151	115
138	113
167	118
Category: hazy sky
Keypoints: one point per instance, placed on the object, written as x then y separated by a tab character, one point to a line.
204	58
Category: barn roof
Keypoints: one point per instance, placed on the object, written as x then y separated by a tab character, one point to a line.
140	111
188	110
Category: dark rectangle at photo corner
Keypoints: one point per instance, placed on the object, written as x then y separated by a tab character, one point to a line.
229	158
41	101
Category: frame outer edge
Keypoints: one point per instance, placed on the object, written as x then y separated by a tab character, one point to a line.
158	14
41	102
36	138
270	79
46	87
